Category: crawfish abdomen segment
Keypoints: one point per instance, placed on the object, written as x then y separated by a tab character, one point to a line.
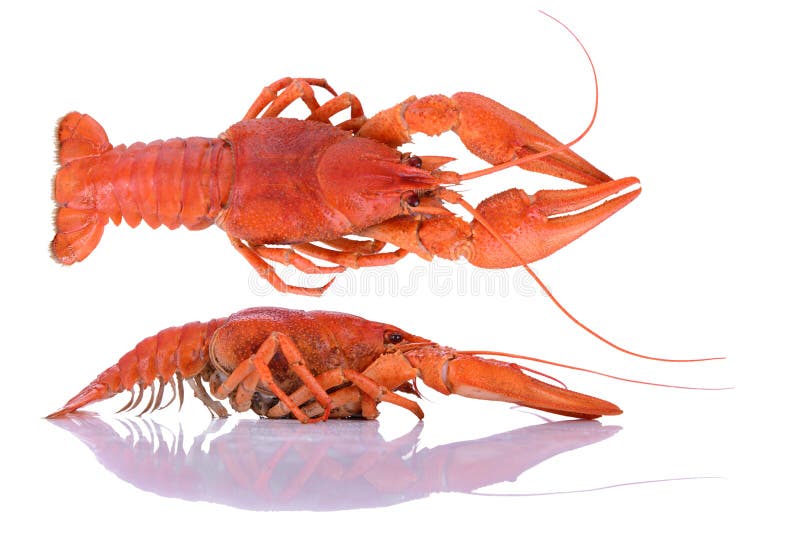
182	349
180	352
173	182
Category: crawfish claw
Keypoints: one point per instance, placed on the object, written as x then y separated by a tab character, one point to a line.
487	128
450	372
540	224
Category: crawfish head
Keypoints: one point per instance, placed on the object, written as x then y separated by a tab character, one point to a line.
371	182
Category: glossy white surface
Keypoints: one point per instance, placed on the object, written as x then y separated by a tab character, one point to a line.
345	465
700	103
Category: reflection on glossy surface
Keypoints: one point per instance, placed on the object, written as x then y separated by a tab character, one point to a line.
283	465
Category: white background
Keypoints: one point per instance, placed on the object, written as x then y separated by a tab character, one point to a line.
699	102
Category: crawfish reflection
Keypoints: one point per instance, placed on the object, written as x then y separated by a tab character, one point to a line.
282	465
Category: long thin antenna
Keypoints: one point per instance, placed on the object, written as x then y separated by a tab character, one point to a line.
456	198
574	368
481	219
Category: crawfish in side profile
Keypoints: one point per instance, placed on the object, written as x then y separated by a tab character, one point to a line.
316	365
287	190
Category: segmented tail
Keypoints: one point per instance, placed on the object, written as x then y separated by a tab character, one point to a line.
180	352
171	183
78	225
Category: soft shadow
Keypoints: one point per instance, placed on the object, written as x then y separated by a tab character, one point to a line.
284	465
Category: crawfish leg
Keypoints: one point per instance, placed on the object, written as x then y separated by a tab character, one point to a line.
354	260
267	272
337	104
277	96
356	245
200	392
287	256
258	365
373	393
376	383
303	394
348	401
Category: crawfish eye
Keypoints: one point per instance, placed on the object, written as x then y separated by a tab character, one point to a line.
394	338
415	161
411	198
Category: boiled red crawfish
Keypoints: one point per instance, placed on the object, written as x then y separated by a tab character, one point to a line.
286	190
316	365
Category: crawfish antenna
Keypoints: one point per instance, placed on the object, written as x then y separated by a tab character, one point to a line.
583	369
458	199
481	219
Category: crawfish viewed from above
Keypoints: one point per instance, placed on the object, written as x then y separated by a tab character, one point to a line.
287	190
316	365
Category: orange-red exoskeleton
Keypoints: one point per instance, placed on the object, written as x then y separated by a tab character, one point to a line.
286	190
316	365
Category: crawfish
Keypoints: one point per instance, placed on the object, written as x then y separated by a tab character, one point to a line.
288	191
316	365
